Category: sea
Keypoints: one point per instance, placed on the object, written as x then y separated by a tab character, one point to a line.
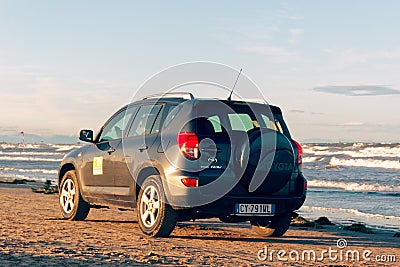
347	182
353	183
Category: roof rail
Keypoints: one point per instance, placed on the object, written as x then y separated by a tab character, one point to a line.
184	95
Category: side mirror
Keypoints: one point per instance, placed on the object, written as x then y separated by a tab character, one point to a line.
86	136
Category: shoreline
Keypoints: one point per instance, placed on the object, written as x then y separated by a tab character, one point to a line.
33	233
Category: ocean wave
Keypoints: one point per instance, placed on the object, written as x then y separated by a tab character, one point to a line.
31	153
29	146
29	159
375	152
10	177
314	149
352	211
7	146
61	148
351	186
368	163
30	170
355	151
312	159
322	152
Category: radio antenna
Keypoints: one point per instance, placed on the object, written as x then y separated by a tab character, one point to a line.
233	88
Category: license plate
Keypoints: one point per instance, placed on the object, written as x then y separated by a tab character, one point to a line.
254	209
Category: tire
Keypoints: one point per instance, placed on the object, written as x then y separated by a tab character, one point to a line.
156	217
73	206
275	228
267	158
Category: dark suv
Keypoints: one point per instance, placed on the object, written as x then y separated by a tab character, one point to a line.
173	157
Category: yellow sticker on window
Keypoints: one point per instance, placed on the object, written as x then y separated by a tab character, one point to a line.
98	166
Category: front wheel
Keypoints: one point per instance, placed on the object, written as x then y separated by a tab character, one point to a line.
73	206
276	227
155	216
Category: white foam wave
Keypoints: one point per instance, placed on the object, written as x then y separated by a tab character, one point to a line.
65	147
372	152
31	153
6	146
311	159
322	153
358	145
368	163
11	177
29	146
356	151
313	149
352	211
30	170
28	159
354	186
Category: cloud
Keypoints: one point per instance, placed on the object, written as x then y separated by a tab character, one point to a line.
358	90
19	70
286	13
353	123
354	57
294	35
279	54
296	111
9	130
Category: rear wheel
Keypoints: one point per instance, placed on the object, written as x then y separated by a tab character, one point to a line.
275	228
155	216
73	206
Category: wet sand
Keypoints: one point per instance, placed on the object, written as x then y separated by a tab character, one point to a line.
33	234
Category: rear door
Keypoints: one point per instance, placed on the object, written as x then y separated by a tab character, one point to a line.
138	147
214	140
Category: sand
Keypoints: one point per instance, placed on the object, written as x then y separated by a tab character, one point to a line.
33	234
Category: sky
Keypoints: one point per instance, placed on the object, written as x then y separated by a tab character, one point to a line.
333	67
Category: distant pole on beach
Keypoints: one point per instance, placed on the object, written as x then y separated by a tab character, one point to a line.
23	138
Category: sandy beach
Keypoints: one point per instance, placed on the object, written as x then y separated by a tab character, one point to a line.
33	234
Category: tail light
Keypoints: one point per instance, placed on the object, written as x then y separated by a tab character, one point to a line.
299	152
189	144
305	186
190	182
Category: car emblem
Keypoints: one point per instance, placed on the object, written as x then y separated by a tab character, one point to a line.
212	160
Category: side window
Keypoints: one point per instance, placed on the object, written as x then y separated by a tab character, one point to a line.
144	121
115	128
272	124
216	122
157	123
172	110
241	122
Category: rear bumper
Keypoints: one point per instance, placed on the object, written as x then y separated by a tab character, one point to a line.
212	202
225	206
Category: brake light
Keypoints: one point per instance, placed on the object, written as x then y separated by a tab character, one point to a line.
190	182
299	152
305	186
189	144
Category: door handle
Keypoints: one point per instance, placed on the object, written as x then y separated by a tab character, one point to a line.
110	150
143	148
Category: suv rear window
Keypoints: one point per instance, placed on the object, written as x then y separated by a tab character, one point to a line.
243	119
240	122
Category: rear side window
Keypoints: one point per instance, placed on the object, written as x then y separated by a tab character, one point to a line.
272	123
146	121
171	111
